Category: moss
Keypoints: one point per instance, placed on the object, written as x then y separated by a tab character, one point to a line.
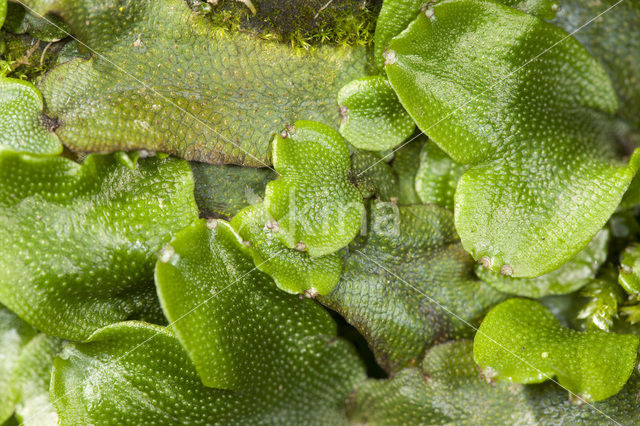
25	57
300	23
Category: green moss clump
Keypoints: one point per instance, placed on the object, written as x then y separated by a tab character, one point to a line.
299	23
25	57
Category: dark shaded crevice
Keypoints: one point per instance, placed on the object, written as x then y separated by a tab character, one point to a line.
351	334
52	124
